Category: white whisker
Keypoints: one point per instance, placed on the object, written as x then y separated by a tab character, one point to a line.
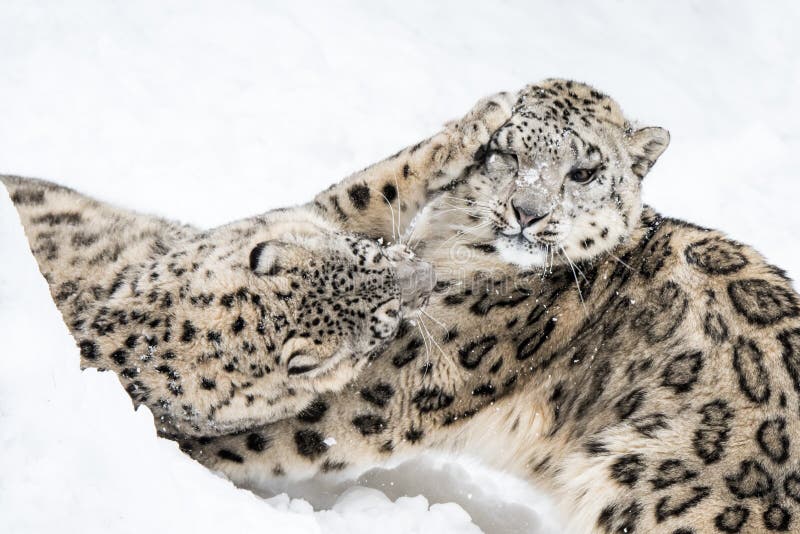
577	284
399	221
441	324
463	232
620	261
394	230
425	326
424	341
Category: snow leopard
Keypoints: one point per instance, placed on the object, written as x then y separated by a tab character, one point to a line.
221	329
642	370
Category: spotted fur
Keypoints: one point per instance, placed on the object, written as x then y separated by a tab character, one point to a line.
217	330
651	386
221	330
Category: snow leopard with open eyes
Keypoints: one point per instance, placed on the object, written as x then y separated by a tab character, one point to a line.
642	370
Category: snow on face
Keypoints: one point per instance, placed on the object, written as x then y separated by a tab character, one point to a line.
563	184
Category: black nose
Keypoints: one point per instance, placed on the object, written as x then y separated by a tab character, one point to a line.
526	216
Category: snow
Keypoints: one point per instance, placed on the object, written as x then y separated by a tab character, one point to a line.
208	112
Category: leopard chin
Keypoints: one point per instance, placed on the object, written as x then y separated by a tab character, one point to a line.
521	252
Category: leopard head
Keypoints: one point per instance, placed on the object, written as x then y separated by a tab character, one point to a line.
560	181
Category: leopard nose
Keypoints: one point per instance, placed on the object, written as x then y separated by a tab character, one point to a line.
416	279
525	216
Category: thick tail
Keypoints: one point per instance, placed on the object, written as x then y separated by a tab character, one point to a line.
80	244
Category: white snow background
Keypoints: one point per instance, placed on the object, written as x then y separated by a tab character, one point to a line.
213	111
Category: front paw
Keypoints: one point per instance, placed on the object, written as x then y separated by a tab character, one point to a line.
468	136
486	117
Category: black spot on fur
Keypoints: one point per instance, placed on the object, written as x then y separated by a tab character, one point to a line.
169	371
83	239
88	349
683	371
472	354
238	325
752	480
369	424
715	327
614	519
628	404
732	519
329	466
189	331
66	290
129	373
671	472
748	361
716	256
663	313
414	434
257	442
627	469
389	192
790	340
30	197
774	440
69	218
595	447
378	394
214	336
711	435
484	390
791	486
207	383
606	518
314	412
404	356
492	299
762	302
648	425
359	196
486	248
309	443
119	356
431	399
777	518
531	345
231	456
675	506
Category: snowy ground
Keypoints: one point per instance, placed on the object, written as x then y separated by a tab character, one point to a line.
209	112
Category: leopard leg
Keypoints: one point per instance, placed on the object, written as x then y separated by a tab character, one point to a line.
382	200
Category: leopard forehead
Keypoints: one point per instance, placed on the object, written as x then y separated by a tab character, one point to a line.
571	103
560	121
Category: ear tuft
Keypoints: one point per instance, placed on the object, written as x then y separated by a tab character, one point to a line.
264	258
645	146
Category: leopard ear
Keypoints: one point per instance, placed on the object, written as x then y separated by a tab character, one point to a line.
264	257
645	146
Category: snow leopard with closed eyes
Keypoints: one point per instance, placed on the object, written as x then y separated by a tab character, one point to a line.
641	369
220	330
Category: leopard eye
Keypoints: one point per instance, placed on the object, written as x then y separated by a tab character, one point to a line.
501	163
582	176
